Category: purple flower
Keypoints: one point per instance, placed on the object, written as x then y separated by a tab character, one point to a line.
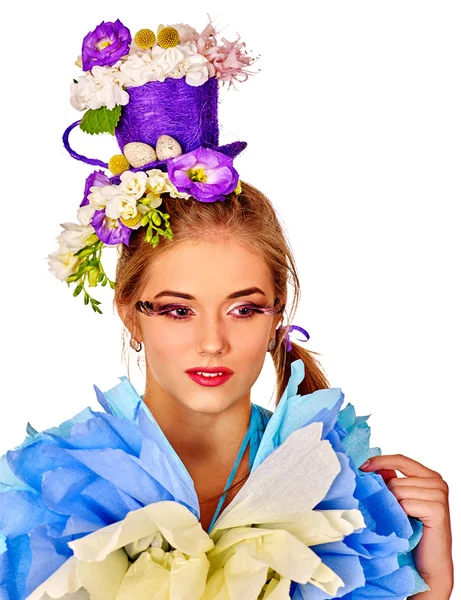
105	45
203	173
110	231
97	178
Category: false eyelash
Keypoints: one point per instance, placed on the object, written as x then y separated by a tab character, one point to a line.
149	309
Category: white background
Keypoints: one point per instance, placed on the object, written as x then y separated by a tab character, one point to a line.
354	131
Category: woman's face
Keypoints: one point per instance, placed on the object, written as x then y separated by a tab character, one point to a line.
209	328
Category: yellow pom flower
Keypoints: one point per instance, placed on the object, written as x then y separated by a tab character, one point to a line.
118	164
168	37
145	38
132	221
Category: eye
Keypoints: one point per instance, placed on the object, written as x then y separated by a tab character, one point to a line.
182	313
252	310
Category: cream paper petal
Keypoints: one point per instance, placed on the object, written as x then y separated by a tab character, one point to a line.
61	584
323	526
80	595
145	580
286	486
277	589
216	588
326	579
245	555
148	578
155	539
179	526
102	579
188	576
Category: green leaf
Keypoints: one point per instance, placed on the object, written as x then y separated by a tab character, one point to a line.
101	120
96	309
86	299
104	282
112	284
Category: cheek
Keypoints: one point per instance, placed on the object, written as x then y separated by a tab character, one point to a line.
165	340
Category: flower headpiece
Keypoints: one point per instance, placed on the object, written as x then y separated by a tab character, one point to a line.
157	93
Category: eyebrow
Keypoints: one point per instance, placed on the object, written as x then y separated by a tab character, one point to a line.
240	293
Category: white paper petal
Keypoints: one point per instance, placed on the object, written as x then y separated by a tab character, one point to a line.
286	486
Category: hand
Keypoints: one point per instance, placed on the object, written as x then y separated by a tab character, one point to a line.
422	494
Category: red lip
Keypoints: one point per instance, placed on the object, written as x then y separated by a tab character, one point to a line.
224	370
210	381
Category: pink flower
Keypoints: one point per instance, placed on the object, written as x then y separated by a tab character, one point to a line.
227	61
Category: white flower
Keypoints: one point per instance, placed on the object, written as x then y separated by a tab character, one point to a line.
101	87
75	236
158	182
82	92
62	262
167	61
100	195
186	32
85	214
137	69
133	183
121	205
142	210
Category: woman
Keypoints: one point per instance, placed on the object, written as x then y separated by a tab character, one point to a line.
81	498
216	253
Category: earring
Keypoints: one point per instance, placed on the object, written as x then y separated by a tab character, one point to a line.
271	345
135	345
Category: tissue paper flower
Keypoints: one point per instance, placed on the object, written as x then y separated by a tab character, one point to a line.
271	524
71	497
155	553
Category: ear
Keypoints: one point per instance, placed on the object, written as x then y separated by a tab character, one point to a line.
277	319
130	321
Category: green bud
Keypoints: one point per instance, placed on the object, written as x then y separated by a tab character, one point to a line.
156	219
145	220
78	289
84	252
93	275
73	277
149	233
92	239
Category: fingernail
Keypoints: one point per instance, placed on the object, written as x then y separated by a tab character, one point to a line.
365	464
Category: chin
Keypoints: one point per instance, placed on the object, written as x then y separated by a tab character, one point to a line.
210	403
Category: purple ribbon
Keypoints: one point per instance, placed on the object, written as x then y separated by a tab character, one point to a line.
286	339
88	161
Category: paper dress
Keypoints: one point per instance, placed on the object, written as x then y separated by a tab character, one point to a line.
103	508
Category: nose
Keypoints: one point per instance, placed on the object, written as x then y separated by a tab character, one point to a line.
212	339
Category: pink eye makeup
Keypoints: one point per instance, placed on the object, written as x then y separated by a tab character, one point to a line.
182	312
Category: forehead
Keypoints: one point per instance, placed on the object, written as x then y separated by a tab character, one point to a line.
209	269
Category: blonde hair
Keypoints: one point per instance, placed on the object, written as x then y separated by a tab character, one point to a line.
248	218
